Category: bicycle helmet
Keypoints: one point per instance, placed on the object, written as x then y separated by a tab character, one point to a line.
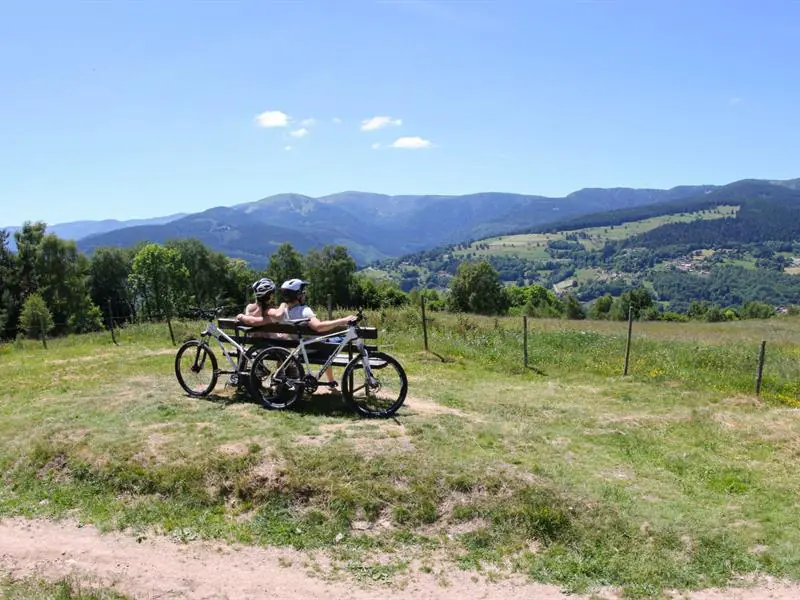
263	287
292	288
294	285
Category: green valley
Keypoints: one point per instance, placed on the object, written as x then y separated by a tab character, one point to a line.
730	246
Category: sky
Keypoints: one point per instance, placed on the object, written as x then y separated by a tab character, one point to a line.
135	109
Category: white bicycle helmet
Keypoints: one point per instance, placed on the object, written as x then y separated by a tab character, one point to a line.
263	287
294	285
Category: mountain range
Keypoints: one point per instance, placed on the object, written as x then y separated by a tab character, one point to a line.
76	230
373	226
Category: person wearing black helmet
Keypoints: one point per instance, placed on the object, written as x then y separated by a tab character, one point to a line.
293	291
259	313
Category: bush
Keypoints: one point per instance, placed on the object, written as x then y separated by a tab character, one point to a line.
35	319
757	310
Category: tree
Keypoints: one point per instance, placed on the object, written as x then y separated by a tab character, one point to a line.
573	309
368	293
159	280
7	298
601	307
330	271
206	270
108	281
237	282
285	263
638	299
63	278
29	239
35	319
477	289
757	310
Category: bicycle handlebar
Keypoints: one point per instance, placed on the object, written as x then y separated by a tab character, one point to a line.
206	313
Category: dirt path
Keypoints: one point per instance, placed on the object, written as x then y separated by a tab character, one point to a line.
160	568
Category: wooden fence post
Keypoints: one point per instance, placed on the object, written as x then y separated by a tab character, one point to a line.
525	341
169	324
111	322
424	324
759	375
628	342
43	331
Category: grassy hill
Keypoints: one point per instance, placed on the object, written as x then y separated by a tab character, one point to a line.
675	477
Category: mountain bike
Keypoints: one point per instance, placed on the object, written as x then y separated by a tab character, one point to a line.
194	356
279	378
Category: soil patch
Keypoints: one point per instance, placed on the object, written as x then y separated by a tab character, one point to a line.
158	567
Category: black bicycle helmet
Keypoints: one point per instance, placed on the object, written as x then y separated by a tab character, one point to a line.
263	287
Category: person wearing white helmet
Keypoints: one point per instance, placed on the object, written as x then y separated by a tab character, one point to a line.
294	295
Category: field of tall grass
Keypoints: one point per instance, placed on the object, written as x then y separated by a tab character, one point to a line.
675	477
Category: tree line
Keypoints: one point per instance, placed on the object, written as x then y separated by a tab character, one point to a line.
49	286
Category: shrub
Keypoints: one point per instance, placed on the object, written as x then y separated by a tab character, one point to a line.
35	319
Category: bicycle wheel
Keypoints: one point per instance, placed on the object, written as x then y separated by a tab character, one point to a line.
192	368
380	397
273	386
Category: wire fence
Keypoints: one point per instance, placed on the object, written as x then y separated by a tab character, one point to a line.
771	368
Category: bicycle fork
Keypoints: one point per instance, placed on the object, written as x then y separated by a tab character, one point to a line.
199	361
371	381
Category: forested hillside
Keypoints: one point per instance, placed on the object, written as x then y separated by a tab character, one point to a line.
726	246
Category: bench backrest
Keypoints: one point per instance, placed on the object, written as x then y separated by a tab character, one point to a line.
367	333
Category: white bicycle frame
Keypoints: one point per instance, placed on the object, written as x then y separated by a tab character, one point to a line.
350	336
212	330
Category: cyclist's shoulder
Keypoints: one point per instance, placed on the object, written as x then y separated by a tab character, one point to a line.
301	311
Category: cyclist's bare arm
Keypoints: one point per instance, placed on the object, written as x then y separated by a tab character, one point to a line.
252	316
323	326
252	321
278	313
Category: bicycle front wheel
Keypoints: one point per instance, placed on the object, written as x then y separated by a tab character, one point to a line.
275	384
196	368
378	391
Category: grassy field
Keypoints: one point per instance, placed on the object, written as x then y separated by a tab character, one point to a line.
534	246
674	477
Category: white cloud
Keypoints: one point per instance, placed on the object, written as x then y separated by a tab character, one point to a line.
734	101
379	123
288	148
298	133
272	118
376	146
336	120
310	122
411	143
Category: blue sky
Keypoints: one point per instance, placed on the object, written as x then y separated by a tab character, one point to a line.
140	109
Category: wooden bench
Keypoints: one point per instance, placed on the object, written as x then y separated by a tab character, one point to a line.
254	337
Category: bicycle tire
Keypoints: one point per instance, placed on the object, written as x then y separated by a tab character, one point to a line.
280	396
378	361
201	347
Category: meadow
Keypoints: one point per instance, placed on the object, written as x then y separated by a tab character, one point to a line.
533	246
674	477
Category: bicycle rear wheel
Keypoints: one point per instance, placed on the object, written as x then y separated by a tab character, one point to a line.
383	393
196	368
273	385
